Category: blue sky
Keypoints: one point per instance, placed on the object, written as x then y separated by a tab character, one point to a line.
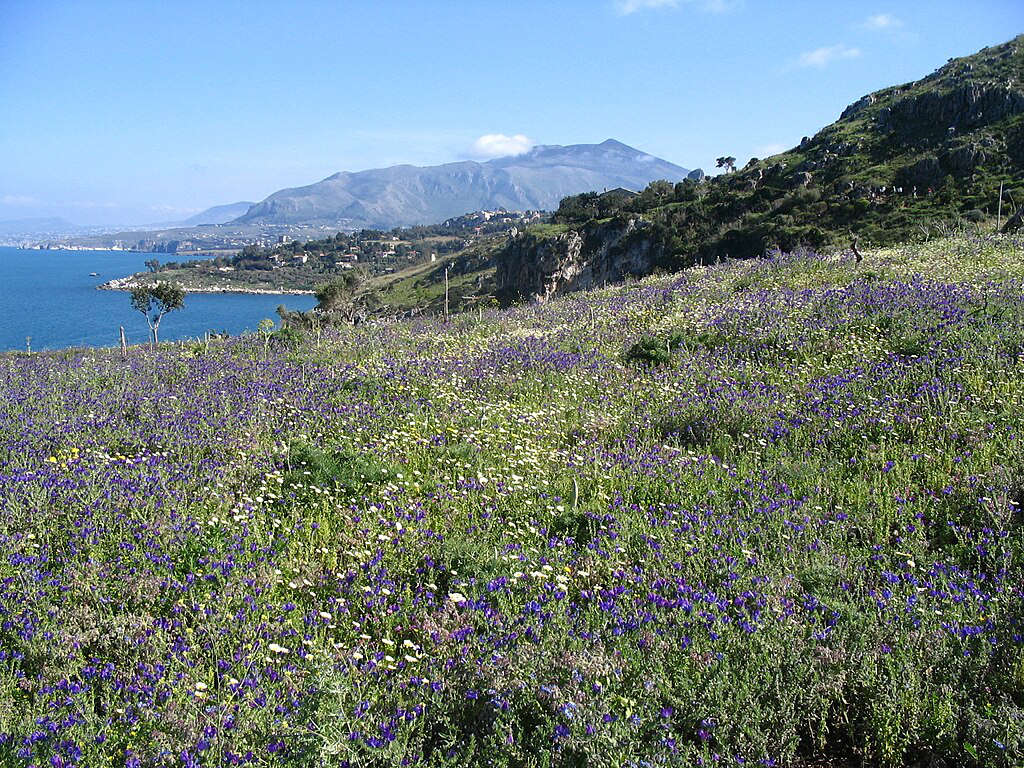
148	111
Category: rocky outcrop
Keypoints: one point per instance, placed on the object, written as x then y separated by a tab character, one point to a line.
800	179
925	172
1015	223
538	269
857	107
962	108
964	159
960	160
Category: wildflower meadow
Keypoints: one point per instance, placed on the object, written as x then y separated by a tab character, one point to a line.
760	513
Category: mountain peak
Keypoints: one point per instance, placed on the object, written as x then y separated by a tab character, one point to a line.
407	195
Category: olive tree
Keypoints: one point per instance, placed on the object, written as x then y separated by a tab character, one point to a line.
156	300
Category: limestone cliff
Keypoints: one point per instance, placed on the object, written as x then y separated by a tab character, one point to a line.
535	268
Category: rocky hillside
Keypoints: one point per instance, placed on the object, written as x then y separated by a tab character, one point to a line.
900	162
407	195
575	260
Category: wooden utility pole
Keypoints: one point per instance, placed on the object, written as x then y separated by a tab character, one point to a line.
124	345
999	214
853	247
445	291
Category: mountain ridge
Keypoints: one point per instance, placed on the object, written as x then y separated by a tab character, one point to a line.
218	214
407	195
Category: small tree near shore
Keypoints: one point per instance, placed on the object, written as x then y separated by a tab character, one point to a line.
338	297
156	300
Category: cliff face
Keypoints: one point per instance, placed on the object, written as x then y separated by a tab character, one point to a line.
538	268
966	107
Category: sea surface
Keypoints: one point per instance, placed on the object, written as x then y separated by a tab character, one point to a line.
50	297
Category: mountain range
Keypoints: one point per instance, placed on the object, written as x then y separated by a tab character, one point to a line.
406	195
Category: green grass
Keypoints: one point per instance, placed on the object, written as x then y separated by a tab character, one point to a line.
547	229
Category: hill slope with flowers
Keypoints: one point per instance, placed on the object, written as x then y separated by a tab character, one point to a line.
766	512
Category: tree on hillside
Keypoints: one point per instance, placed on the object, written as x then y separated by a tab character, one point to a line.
153	265
338	296
728	162
656	193
156	300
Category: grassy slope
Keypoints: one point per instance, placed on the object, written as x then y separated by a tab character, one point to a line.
512	540
421	287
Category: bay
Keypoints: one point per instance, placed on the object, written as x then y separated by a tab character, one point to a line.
51	297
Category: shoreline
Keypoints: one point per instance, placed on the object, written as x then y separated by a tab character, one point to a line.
126	284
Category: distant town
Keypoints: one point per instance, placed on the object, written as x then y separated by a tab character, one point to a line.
210	240
225	240
285	264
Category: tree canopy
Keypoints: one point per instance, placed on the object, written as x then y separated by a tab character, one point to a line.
726	161
154	301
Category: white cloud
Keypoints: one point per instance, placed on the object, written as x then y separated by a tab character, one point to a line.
822	57
720	6
93	204
882	21
627	7
500	145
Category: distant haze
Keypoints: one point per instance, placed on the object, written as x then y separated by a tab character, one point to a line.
42	225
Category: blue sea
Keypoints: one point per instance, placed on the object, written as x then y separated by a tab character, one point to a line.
50	297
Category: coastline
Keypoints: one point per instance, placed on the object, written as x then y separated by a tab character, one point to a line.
127	283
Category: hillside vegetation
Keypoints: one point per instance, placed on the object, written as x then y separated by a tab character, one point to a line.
761	513
902	163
